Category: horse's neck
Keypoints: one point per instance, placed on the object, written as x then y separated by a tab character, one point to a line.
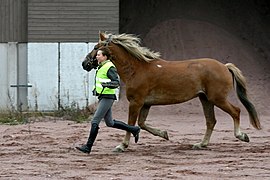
125	68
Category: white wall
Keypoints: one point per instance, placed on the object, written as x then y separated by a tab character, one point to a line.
57	77
3	76
12	73
43	75
75	83
53	69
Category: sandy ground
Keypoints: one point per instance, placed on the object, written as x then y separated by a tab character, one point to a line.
45	149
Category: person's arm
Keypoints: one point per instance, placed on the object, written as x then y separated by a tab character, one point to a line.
113	76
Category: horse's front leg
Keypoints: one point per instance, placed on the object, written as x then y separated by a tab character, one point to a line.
134	109
141	122
122	147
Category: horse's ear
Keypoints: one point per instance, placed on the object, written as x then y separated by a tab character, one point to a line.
101	36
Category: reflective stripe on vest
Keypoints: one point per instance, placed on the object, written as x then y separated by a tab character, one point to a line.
101	77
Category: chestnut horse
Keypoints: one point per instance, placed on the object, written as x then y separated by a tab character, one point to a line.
151	80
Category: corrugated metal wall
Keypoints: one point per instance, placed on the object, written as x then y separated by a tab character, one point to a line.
71	21
57	20
13	20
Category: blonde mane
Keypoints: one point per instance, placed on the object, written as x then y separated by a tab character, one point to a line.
132	43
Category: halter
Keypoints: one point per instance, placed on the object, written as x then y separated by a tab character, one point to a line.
91	62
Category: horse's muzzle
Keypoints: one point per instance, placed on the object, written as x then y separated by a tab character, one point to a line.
88	65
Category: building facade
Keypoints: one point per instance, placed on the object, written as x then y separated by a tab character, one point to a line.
42	45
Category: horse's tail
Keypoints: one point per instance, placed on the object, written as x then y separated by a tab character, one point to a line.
241	90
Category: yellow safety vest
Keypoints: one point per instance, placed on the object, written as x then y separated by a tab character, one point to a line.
101	77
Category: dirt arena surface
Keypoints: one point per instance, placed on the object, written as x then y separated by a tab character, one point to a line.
45	149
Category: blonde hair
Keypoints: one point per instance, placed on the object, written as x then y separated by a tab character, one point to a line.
132	43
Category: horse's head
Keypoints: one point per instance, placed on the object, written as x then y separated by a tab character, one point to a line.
90	60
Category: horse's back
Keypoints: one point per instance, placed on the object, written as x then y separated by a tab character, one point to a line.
191	62
202	67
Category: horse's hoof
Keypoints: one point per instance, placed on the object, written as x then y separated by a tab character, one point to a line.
244	137
166	135
119	149
198	146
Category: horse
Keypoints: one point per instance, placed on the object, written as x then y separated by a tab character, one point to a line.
151	80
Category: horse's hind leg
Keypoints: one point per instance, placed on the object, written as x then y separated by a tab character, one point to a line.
141	122
235	114
208	109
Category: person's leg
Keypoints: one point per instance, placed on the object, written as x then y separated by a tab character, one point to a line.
102	109
108	116
86	148
135	130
